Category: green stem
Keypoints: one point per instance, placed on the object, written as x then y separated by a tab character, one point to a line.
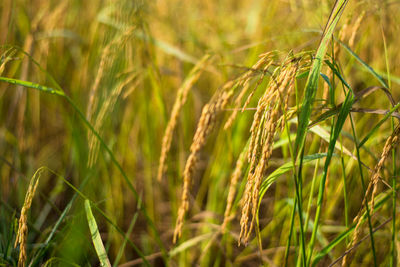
287	250
311	193
297	181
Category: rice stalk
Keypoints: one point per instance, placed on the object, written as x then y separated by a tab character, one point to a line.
263	129
204	127
180	100
244	81
23	219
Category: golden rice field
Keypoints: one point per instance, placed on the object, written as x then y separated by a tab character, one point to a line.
199	133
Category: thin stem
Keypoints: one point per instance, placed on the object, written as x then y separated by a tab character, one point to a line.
364	190
311	193
297	181
346	205
290	232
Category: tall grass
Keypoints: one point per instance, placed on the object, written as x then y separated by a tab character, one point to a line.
214	133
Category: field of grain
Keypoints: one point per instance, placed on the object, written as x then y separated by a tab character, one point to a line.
199	133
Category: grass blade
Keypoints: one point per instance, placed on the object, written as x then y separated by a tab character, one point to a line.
364	64
284	169
96	238
33	86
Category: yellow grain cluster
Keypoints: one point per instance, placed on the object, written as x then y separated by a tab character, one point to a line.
262	65
205	125
23	219
266	119
237	173
391	142
204	128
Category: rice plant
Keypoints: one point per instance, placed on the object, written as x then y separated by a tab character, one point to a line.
209	133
